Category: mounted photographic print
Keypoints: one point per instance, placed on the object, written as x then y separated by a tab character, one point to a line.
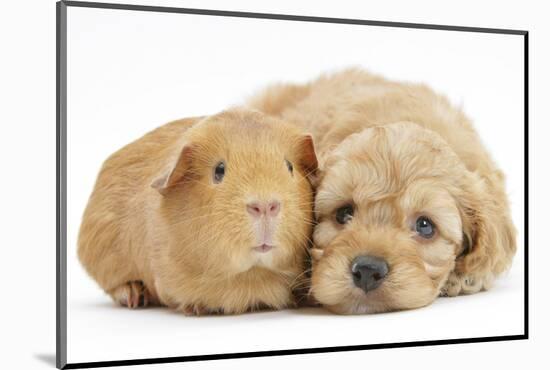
242	184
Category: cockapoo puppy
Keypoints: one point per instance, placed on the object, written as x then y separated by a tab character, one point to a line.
409	204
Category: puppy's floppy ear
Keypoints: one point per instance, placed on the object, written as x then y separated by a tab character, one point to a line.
489	234
307	157
176	170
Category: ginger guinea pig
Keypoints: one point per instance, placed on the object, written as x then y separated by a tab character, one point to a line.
205	215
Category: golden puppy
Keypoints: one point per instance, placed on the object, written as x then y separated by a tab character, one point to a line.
409	204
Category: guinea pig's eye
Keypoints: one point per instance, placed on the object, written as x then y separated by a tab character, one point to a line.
425	227
219	172
289	166
344	214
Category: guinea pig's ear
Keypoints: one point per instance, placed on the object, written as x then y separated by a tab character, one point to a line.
489	236
308	158
176	171
316	253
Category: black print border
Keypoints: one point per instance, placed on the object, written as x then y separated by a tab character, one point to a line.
61	189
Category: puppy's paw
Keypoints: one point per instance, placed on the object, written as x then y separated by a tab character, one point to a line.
452	287
133	294
466	284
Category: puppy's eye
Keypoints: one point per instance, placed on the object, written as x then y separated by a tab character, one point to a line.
425	227
344	214
219	172
289	166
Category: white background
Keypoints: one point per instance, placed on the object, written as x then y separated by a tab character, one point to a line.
28	160
129	72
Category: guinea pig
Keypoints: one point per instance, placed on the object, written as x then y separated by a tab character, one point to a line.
205	215
409	205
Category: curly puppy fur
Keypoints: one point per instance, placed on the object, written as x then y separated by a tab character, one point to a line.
157	229
397	151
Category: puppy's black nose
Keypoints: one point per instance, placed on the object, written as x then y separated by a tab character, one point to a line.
368	272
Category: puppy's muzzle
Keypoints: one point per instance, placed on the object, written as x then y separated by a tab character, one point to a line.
368	272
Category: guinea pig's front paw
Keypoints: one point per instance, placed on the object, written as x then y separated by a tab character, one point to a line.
133	294
194	310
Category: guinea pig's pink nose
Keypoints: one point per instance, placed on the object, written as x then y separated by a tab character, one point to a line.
258	209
